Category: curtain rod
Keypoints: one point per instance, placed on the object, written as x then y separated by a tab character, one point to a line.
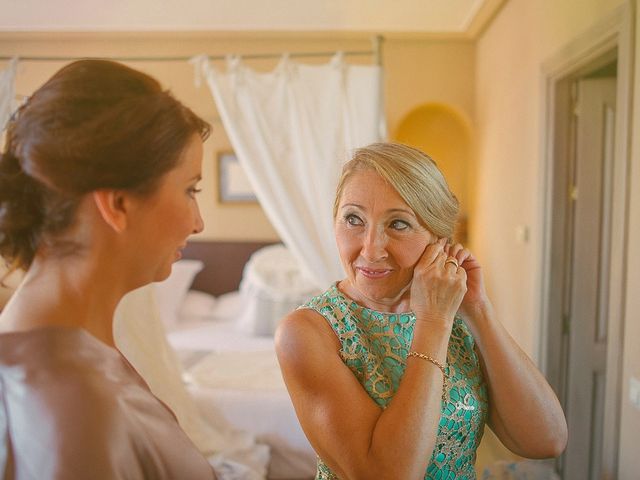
251	56
376	52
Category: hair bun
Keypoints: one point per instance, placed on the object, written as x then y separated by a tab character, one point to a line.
21	214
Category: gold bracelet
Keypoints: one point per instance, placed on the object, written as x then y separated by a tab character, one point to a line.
429	358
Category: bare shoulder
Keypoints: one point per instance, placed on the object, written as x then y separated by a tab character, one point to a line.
304	337
302	325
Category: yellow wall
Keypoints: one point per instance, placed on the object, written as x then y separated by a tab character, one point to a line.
509	60
417	71
510	54
446	136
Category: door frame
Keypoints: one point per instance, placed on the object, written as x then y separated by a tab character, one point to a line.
612	34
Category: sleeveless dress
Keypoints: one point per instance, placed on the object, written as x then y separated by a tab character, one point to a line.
375	347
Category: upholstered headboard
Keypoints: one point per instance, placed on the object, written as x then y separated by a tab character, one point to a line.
223	263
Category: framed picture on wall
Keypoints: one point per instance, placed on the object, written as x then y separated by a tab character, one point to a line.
233	184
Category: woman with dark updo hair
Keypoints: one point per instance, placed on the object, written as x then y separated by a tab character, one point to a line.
97	198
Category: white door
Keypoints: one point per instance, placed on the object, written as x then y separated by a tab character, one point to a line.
588	247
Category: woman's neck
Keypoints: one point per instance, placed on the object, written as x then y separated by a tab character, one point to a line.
399	304
69	292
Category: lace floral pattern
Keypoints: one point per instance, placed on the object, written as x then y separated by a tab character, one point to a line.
375	347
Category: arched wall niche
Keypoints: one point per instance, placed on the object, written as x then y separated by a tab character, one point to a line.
446	135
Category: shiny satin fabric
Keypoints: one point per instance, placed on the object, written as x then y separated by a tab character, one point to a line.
74	408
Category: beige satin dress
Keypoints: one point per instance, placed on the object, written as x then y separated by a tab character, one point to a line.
74	408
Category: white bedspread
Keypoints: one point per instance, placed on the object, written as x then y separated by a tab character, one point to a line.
216	336
238	375
269	416
240	370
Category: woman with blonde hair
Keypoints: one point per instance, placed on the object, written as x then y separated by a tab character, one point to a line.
394	370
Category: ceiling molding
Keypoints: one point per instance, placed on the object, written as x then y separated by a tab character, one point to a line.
483	17
468	24
232	35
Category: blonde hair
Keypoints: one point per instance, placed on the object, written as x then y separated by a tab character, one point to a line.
416	178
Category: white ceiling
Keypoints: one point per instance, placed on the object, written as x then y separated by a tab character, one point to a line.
382	16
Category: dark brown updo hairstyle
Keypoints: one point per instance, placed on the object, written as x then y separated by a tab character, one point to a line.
95	124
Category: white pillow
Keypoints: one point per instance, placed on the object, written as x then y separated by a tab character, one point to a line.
171	292
229	306
272	286
197	306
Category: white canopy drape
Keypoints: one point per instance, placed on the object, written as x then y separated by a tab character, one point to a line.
7	91
292	129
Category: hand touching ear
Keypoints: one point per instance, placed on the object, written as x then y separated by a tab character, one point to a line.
476	296
438	286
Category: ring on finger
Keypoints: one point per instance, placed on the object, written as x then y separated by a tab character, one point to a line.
453	261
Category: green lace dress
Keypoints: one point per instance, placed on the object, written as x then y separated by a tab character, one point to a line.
375	347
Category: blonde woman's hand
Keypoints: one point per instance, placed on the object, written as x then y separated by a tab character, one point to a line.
475	298
438	285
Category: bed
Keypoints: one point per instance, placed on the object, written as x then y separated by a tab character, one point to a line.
220	308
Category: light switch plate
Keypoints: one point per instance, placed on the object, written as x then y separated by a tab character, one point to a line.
634	392
522	234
